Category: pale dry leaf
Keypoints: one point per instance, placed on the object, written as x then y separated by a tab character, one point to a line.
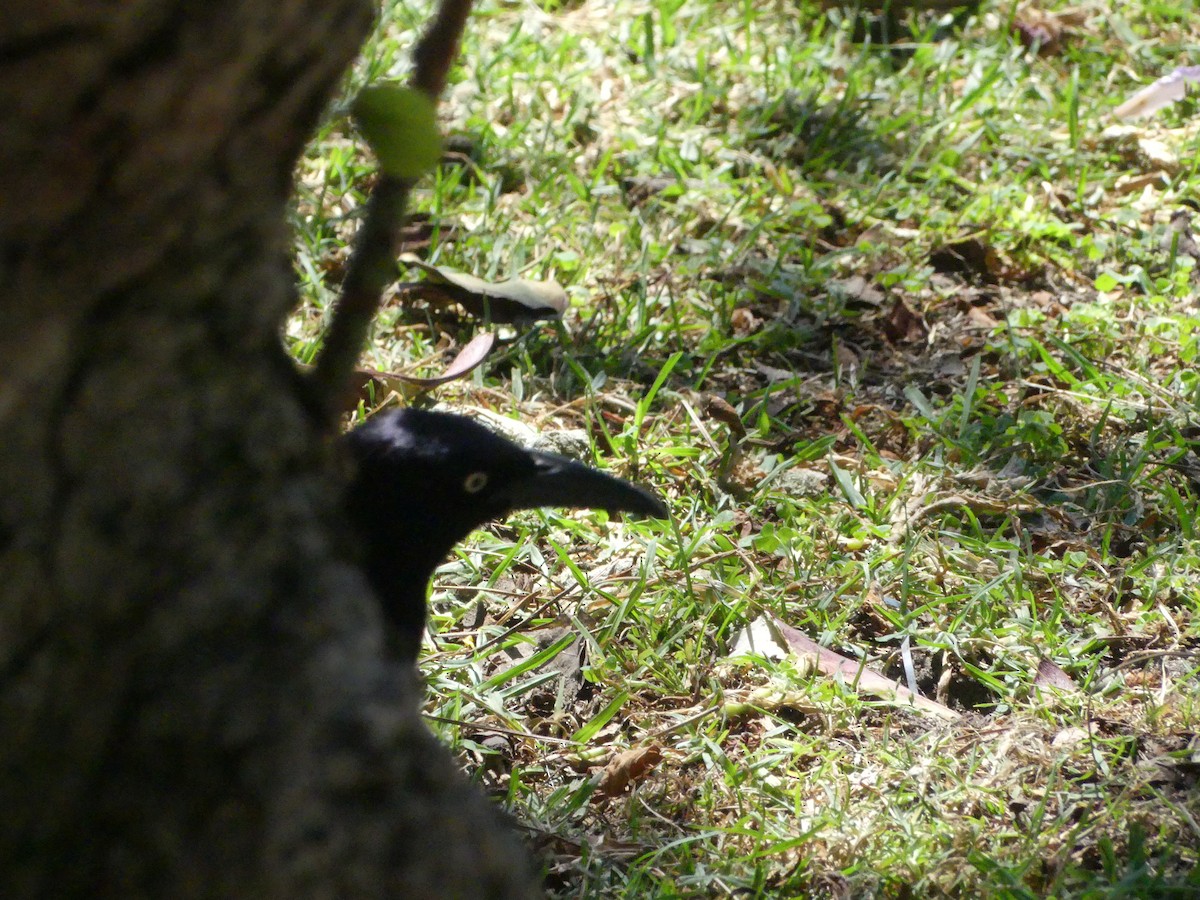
626	767
1069	738
759	638
517	300
468	358
1153	97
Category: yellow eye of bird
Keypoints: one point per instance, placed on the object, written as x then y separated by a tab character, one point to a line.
475	482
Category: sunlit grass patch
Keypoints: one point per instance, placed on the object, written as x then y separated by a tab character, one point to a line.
907	337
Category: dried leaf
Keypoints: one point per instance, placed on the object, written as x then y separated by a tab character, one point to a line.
968	256
371	387
1038	30
721	410
626	767
744	322
1157	155
856	291
981	318
1070	738
904	325
375	386
517	300
1050	675
1154	97
468	358
759	638
861	678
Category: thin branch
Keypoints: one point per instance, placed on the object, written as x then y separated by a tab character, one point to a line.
373	263
439	47
372	266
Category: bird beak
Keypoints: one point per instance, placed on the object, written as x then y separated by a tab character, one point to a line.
558	481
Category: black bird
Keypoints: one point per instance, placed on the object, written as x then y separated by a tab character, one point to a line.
425	480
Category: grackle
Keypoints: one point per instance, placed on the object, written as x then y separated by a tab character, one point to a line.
425	480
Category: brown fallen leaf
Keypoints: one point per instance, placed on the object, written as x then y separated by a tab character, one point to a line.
375	386
720	409
469	357
744	322
981	318
856	674
515	301
970	256
626	767
1049	674
903	324
1039	31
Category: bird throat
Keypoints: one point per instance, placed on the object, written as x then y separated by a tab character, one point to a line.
403	589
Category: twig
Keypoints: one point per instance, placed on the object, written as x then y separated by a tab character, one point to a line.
439	47
373	263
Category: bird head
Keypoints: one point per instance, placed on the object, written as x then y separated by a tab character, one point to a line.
425	480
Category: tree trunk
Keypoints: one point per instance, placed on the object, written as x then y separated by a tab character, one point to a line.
194	700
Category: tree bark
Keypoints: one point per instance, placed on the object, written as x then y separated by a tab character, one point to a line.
193	695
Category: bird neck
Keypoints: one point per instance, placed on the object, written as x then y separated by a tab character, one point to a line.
402	586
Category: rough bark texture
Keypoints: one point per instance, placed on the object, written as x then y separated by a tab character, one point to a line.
193	698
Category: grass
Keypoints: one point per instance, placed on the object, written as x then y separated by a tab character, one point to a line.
941	296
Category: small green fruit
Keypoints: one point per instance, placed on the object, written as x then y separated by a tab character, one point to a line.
400	124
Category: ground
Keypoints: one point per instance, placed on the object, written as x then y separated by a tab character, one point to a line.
906	335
